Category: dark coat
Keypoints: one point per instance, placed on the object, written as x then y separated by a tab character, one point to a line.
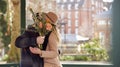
24	41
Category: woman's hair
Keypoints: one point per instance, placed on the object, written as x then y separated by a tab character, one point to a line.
57	34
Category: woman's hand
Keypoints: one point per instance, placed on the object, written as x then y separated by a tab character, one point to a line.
40	40
35	50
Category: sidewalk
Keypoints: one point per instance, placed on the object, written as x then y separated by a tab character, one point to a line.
86	62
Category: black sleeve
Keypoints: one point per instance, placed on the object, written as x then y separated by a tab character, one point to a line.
26	39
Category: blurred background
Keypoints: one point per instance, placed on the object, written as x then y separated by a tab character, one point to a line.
84	26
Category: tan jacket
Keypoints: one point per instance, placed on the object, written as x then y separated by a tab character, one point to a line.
51	54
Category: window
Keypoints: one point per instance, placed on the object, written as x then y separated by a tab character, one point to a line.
76	6
96	4
69	23
62	7
71	0
62	15
69	15
58	1
50	6
64	1
76	14
76	23
69	30
62	26
78	0
93	2
69	6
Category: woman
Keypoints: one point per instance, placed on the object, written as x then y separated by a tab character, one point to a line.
31	55
51	53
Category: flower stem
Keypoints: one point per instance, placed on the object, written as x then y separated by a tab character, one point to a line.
40	46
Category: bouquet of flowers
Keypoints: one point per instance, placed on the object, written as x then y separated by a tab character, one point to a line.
41	24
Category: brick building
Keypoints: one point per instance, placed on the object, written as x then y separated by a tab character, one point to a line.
77	17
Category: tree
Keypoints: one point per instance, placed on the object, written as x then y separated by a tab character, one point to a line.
14	52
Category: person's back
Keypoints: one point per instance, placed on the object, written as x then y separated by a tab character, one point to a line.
24	41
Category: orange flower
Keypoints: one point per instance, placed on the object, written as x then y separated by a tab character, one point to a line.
48	26
40	25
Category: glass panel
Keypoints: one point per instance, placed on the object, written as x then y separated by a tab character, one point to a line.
82	29
90	28
86	39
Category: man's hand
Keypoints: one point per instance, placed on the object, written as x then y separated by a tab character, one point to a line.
35	50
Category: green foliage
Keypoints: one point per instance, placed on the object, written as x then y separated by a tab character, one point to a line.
74	58
96	50
91	51
3	24
69	58
3	5
83	58
5	57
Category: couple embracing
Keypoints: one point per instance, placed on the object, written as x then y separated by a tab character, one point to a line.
30	40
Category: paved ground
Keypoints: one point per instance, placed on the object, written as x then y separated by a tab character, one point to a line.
86	62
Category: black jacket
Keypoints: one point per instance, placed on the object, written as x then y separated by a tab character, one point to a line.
24	41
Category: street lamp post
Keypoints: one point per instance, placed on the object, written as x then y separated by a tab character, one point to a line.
64	31
60	23
64	24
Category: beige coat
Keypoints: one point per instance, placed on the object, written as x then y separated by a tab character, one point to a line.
51	54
